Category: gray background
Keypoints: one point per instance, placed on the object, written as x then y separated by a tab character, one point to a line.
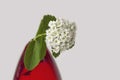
97	50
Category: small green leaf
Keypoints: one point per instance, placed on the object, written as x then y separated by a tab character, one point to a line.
55	54
31	59
35	52
42	46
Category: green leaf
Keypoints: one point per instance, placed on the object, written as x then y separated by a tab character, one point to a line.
31	59
42	47
42	29
55	54
44	24
35	52
36	49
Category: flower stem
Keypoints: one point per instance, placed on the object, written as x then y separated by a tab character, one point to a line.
39	36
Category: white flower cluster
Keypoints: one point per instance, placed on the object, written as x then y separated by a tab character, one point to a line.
61	35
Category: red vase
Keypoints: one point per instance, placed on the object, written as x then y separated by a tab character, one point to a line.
46	70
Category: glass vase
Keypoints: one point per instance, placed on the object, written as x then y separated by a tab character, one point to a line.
46	70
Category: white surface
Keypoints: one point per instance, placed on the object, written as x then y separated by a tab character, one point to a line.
96	55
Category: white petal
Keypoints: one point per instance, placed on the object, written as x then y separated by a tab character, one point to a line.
57	41
59	22
51	24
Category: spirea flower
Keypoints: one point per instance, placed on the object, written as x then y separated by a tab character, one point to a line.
61	35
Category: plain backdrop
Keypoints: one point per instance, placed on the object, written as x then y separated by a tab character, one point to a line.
96	54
